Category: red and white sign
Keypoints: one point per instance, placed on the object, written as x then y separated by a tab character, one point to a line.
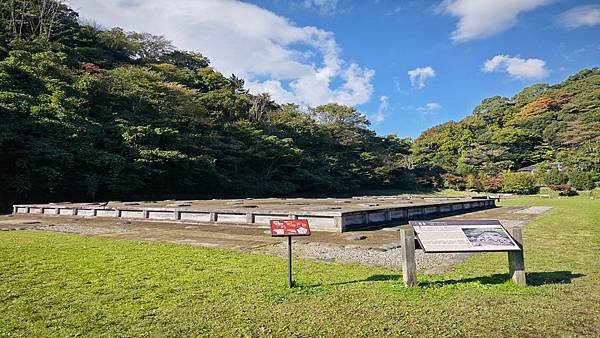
290	227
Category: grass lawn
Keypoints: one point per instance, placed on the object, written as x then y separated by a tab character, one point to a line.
70	285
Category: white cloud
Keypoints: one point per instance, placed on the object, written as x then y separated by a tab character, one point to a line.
429	107
295	64
418	76
479	18
518	68
587	15
381	113
323	6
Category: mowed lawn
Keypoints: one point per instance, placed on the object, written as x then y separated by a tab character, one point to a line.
70	285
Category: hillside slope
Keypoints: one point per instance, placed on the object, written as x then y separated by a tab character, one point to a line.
541	123
93	113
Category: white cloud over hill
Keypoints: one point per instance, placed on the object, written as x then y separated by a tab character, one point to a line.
516	67
301	64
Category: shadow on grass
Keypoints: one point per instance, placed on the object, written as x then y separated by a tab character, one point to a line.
533	279
373	278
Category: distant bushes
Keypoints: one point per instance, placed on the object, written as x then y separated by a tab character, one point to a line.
519	183
566	183
491	183
554	177
486	183
564	189
582	180
455	182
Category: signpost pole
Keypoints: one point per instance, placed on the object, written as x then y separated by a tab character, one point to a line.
516	261
409	264
288	228
290	281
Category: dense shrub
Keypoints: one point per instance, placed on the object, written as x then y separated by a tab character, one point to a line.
519	183
564	189
491	183
456	182
474	183
582	180
555	177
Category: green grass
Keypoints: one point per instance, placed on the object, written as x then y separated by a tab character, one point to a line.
69	285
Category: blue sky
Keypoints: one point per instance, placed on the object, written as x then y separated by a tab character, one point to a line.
362	52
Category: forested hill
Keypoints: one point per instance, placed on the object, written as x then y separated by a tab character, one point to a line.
541	123
90	113
94	113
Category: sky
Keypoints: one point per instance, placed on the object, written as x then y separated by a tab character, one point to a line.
407	65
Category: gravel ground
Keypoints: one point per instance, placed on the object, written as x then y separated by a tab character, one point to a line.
84	230
427	263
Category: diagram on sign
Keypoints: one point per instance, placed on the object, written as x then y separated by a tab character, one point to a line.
487	236
463	236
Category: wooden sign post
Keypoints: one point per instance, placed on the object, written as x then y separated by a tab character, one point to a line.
288	228
516	259
461	236
409	264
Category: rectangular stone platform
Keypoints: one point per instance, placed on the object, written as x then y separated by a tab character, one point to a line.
329	214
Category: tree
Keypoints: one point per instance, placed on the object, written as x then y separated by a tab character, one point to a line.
183	59
38	19
261	106
148	47
335	114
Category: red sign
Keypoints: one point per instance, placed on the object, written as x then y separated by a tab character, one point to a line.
290	227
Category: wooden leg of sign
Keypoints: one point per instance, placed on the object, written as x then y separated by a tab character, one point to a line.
409	265
516	261
290	281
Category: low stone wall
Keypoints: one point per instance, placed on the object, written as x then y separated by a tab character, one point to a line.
339	221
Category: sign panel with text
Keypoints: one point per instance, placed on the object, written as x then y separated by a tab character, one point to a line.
463	236
290	227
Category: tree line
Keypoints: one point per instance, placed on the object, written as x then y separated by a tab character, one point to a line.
93	113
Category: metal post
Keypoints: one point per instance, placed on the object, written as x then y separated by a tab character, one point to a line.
290	281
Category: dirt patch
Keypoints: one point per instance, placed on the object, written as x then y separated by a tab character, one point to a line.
538	210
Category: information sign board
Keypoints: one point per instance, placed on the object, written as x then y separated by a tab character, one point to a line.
290	227
463	236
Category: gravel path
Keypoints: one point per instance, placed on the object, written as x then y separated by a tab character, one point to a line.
427	263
